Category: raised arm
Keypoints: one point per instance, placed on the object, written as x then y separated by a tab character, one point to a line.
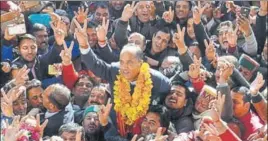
92	62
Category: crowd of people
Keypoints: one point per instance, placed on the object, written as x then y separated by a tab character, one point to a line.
134	71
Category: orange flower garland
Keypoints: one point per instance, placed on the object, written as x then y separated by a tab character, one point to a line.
135	106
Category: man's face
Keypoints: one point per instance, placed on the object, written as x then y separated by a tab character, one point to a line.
97	97
35	97
195	51
92	37
182	9
28	49
91	123
143	11
245	72
190	28
83	86
129	65
117	5
20	106
223	36
176	99
202	101
160	42
46	102
41	39
169	67
100	13
68	136
240	108
137	40
150	124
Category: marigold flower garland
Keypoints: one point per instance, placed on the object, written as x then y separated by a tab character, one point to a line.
135	106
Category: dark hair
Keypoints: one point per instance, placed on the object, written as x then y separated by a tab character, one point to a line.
60	95
91	24
26	36
72	128
101	5
84	76
32	84
163	114
38	27
165	30
244	91
191	4
179	83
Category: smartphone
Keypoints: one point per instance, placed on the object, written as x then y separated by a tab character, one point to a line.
52	70
245	11
16	29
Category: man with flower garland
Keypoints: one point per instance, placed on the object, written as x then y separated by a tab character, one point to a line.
135	85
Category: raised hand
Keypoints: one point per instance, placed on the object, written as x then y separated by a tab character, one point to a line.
6	104
7	36
59	29
66	54
168	15
135	138
104	113
40	127
256	85
178	40
159	135
22	76
81	34
263	8
12	132
102	31
78	136
128	11
54	18
226	70
210	50
81	14
194	68
198	11
217	104
232	37
244	25
6	67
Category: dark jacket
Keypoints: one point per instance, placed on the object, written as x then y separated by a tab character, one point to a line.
108	72
261	33
181	118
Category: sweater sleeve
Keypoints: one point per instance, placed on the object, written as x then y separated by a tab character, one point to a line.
96	65
227	112
260	32
69	76
201	35
228	135
121	33
250	46
186	60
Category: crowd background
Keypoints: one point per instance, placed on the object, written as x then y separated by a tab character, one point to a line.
60	62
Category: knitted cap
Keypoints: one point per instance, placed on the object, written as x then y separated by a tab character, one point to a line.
92	108
248	63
